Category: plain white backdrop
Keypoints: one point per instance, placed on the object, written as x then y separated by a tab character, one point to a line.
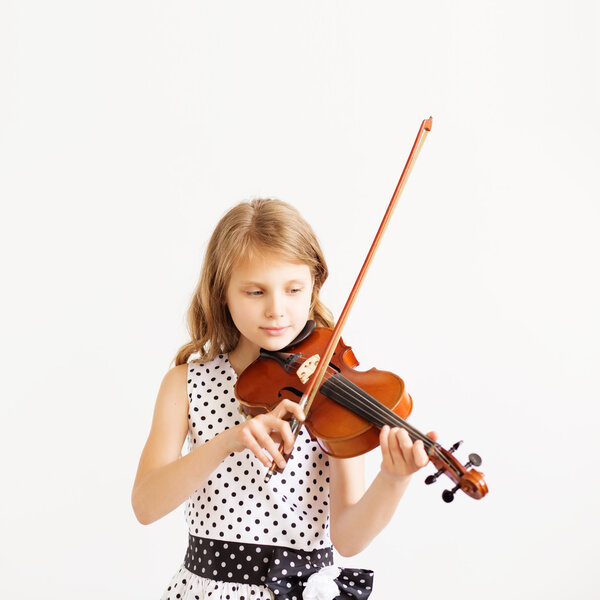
128	128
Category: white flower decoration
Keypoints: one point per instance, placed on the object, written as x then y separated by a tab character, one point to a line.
321	585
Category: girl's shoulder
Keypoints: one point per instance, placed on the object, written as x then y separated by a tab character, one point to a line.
178	377
175	380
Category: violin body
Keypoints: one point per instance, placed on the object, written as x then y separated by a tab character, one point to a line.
338	431
350	406
346	408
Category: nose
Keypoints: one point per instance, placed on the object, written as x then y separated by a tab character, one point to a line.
274	308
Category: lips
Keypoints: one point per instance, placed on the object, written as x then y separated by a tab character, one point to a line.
275	331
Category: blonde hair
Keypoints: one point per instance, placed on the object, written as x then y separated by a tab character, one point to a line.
248	229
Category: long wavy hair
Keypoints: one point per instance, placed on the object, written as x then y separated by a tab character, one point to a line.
249	229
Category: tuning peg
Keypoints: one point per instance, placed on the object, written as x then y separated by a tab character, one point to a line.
432	478
474	461
454	448
448	495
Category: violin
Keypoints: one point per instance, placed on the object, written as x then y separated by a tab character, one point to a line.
345	408
350	406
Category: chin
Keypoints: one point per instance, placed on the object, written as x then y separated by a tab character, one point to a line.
277	343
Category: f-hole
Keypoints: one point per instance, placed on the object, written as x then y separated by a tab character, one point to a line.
291	389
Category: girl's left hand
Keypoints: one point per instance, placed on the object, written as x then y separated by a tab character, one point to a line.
402	457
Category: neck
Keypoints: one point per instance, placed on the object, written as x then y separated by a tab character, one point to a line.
243	355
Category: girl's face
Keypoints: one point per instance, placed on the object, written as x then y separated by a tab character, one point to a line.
269	301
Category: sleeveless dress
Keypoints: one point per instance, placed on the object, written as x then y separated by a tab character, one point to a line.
245	534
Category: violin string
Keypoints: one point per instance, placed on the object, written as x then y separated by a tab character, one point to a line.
373	407
355	398
374	411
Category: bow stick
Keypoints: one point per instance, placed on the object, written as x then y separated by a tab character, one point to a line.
317	377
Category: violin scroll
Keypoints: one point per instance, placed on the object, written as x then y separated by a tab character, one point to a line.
465	478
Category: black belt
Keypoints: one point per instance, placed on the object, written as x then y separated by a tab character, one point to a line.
244	563
285	571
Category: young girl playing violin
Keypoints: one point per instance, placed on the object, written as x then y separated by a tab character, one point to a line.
248	539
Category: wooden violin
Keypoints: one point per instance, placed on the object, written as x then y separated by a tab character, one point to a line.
345	408
350	406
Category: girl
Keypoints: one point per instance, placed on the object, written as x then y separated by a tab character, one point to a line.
259	284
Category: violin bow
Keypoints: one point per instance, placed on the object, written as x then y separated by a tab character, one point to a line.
317	377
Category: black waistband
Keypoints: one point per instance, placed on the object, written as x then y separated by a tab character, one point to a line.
245	563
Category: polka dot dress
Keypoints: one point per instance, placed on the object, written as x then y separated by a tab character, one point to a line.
236	521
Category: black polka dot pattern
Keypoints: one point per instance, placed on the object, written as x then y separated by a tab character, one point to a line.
186	586
234	504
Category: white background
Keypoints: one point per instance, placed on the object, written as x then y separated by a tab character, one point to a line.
127	128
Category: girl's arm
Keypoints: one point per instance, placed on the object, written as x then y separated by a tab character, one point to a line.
165	479
358	516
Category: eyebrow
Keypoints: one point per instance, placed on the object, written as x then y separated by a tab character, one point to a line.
290	282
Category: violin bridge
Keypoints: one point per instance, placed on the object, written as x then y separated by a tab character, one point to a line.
307	368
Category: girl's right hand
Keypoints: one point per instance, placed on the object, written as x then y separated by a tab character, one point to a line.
266	432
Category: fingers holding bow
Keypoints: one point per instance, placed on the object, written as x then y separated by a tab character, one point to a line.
267	431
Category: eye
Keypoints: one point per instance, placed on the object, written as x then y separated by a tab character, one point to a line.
254	293
295	290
